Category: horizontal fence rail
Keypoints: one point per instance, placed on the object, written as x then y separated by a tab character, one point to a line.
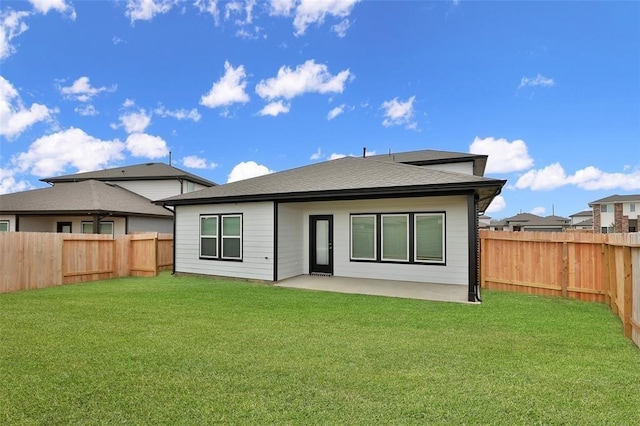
32	260
591	267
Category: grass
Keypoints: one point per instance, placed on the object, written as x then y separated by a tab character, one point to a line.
192	350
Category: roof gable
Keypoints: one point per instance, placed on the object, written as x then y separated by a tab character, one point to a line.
147	171
348	177
429	156
617	199
89	196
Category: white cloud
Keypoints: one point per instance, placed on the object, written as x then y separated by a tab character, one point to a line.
128	103
8	182
335	156
11	26
81	90
146	10
44	6
180	114
148	146
539	211
135	122
246	170
589	178
497	204
117	40
550	177
195	162
335	112
504	156
538	80
236	8
316	155
341	28
228	90
397	113
15	118
275	108
86	110
210	7
306	78
51	154
307	12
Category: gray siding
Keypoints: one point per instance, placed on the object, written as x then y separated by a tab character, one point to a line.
149	224
257	241
290	241
152	189
457	263
463	167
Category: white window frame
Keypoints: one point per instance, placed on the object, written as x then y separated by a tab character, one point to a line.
375	236
223	237
415	237
8	225
216	237
82	225
382	216
603	208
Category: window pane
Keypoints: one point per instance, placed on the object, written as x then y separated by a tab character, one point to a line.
429	233
322	242
231	226
209	247
209	226
394	237
363	230
231	247
87	228
106	228
4	226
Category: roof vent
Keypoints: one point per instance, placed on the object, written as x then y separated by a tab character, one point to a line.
149	164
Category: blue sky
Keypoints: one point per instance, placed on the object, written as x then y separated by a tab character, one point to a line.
234	89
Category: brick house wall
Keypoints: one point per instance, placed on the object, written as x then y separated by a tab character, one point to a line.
620	222
597	229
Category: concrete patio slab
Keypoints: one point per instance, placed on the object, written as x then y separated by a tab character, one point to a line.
389	288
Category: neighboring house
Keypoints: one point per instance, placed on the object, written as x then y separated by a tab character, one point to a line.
484	221
351	217
531	222
113	201
582	220
616	213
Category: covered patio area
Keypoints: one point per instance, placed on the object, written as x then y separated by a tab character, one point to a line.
374	287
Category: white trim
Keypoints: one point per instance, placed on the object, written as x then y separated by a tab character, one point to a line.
415	238
375	237
382	216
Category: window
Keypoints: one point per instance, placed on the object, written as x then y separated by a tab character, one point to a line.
105	228
632	207
398	237
603	229
4	225
231	237
429	240
191	186
209	236
221	236
395	237
603	208
363	237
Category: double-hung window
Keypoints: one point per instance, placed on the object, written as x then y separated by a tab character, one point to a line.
221	236
104	228
398	237
4	225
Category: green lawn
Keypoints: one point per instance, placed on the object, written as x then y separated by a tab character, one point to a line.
191	350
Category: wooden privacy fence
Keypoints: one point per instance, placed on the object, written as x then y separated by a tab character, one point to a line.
31	260
592	267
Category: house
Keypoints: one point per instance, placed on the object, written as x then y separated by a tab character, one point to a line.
113	201
367	217
616	213
484	221
582	220
531	222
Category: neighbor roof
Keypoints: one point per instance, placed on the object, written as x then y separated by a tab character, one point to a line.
148	171
429	156
86	197
345	178
617	199
587	213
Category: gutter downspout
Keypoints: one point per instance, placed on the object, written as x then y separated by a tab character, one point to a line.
472	243
173	268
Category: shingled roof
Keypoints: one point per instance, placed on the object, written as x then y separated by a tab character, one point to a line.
430	156
148	171
617	199
86	197
345	178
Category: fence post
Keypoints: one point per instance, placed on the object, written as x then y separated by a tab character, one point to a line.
613	279
628	292
565	268
155	255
